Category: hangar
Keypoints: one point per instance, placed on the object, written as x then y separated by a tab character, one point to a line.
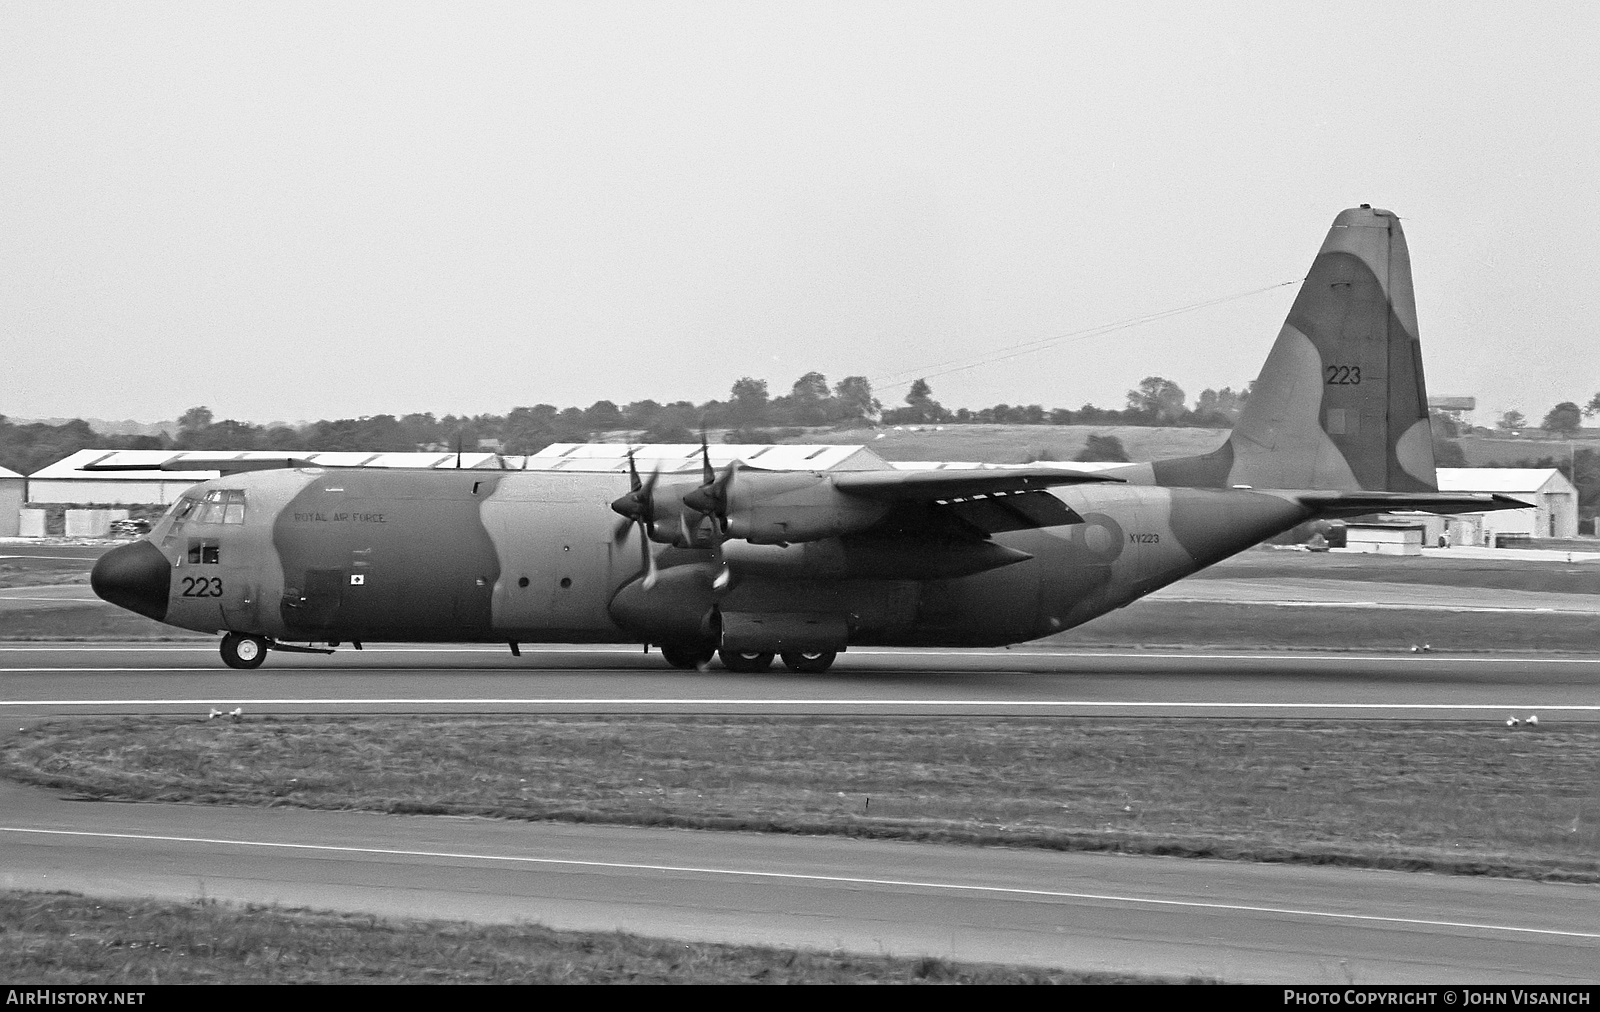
65	481
13	493
672	458
1552	504
1552	499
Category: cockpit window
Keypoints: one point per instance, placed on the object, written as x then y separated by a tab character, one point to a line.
222	506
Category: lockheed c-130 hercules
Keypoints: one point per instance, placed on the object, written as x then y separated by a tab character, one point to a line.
753	563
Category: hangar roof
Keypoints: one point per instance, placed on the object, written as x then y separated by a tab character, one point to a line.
69	467
669	458
1509	480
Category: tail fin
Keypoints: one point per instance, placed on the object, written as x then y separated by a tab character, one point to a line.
1340	403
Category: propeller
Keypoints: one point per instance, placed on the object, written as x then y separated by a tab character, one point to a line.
711	498
638	507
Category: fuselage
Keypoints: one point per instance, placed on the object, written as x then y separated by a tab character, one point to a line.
312	555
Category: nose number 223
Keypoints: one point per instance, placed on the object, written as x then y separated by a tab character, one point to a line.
202	586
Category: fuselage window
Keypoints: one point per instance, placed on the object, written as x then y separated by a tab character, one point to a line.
204	553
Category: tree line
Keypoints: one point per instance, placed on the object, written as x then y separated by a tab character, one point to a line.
1565	419
751	413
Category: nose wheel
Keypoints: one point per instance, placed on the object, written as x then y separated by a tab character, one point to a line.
242	651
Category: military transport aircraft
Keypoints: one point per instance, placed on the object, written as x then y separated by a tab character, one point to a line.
752	564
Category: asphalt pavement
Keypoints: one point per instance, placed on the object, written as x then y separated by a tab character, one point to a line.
1226	920
39	679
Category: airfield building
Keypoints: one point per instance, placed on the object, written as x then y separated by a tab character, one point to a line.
1552	504
1552	500
65	481
13	493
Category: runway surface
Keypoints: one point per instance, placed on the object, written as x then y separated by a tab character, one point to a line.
48	679
1233	921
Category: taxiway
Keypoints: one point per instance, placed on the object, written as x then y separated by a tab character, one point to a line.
45	679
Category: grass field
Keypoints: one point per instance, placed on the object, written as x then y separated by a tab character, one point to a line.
1487	451
1510	572
62	939
1255	627
1410	795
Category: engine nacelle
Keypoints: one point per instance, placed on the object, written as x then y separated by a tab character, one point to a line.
780	508
679	608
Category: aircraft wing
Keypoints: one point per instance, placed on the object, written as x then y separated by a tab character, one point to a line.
968	504
226	465
943	486
1333	505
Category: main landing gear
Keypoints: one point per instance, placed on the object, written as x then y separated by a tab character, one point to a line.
804	662
808	662
242	651
687	656
746	661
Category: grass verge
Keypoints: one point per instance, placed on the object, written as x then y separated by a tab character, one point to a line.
66	939
1157	623
1407	795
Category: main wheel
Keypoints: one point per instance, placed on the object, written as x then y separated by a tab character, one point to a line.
242	651
809	662
746	661
686	656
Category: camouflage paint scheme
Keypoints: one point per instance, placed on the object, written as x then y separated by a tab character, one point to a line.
391	555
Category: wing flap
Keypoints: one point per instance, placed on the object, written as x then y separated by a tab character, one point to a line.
907	486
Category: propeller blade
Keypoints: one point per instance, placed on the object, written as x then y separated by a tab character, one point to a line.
707	475
633	473
619	533
650	572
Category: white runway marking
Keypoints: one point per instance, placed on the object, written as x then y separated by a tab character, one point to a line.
713	701
800	877
53	600
973	653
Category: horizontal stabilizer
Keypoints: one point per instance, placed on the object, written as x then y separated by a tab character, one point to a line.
226	465
1334	505
913	486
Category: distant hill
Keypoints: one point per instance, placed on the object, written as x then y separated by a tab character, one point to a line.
1017	444
126	427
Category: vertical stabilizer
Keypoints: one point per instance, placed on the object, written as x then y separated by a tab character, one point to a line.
1340	403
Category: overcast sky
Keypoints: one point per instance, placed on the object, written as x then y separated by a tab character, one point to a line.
297	211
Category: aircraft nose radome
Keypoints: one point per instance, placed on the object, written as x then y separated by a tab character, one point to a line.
136	577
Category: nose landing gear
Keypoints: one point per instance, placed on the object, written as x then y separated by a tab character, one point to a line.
243	651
